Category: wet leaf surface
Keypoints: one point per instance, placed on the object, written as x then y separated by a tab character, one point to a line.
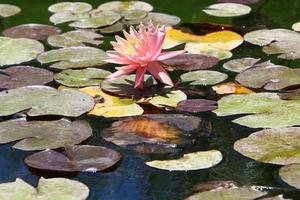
240	64
7	10
203	77
196	105
76	7
227	10
291	175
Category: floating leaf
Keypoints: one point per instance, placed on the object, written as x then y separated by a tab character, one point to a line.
73	57
116	27
7	10
290	95
227	10
20	76
47	189
31	31
191	62
63	17
169	99
273	77
240	64
134	14
277	146
190	161
121	6
74	7
81	78
196	105
203	77
231	88
161	19
40	135
266	110
291	174
289	50
296	26
75	38
16	51
77	158
43	100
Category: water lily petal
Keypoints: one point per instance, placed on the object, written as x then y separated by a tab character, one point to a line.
122	71
160	73
139	79
167	55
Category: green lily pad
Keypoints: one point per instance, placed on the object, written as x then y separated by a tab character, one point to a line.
75	38
227	10
221	54
276	146
121	6
265	110
47	189
203	77
170	99
296	27
134	14
73	57
43	100
289	50
291	175
240	64
161	19
19	76
81	78
115	28
63	17
104	18
7	10
74	7
40	135
191	161
16	51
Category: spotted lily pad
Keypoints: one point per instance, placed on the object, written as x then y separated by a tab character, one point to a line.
169	99
203	77
273	77
75	38
74	7
196	105
265	110
277	146
240	64
81	78
40	135
47	189
20	76
7	10
121	6
227	10
190	161
289	50
16	51
63	17
31	31
296	26
73	57
291	174
77	158
43	100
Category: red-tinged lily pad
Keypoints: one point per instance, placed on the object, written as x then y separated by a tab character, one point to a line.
191	62
196	105
240	64
78	158
20	76
31	31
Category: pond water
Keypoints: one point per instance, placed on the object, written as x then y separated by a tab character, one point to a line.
132	179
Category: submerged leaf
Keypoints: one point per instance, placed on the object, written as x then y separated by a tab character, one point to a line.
7	10
291	174
203	77
196	105
227	10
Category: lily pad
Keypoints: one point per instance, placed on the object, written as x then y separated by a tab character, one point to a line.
289	50
31	31
227	10
203	77
273	77
240	64
78	158
296	27
161	19
276	146
291	175
290	94
16	51
74	7
20	76
190	161
189	62
134	14
43	100
196	105
73	57
7	10
116	27
75	38
81	78
231	88
121	6
47	189
40	135
169	99
265	110
63	17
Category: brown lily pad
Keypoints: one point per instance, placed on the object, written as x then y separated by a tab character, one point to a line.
196	105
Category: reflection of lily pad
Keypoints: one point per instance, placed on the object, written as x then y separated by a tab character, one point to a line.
277	146
19	76
76	7
196	105
63	17
240	64
291	175
39	135
190	161
266	110
16	51
7	10
203	77
81	78
75	38
31	31
121	6
43	100
78	158
47	189
289	50
73	57
227	10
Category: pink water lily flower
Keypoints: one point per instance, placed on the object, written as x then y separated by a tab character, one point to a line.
141	52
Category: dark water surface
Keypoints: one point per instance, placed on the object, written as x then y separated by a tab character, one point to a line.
132	179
